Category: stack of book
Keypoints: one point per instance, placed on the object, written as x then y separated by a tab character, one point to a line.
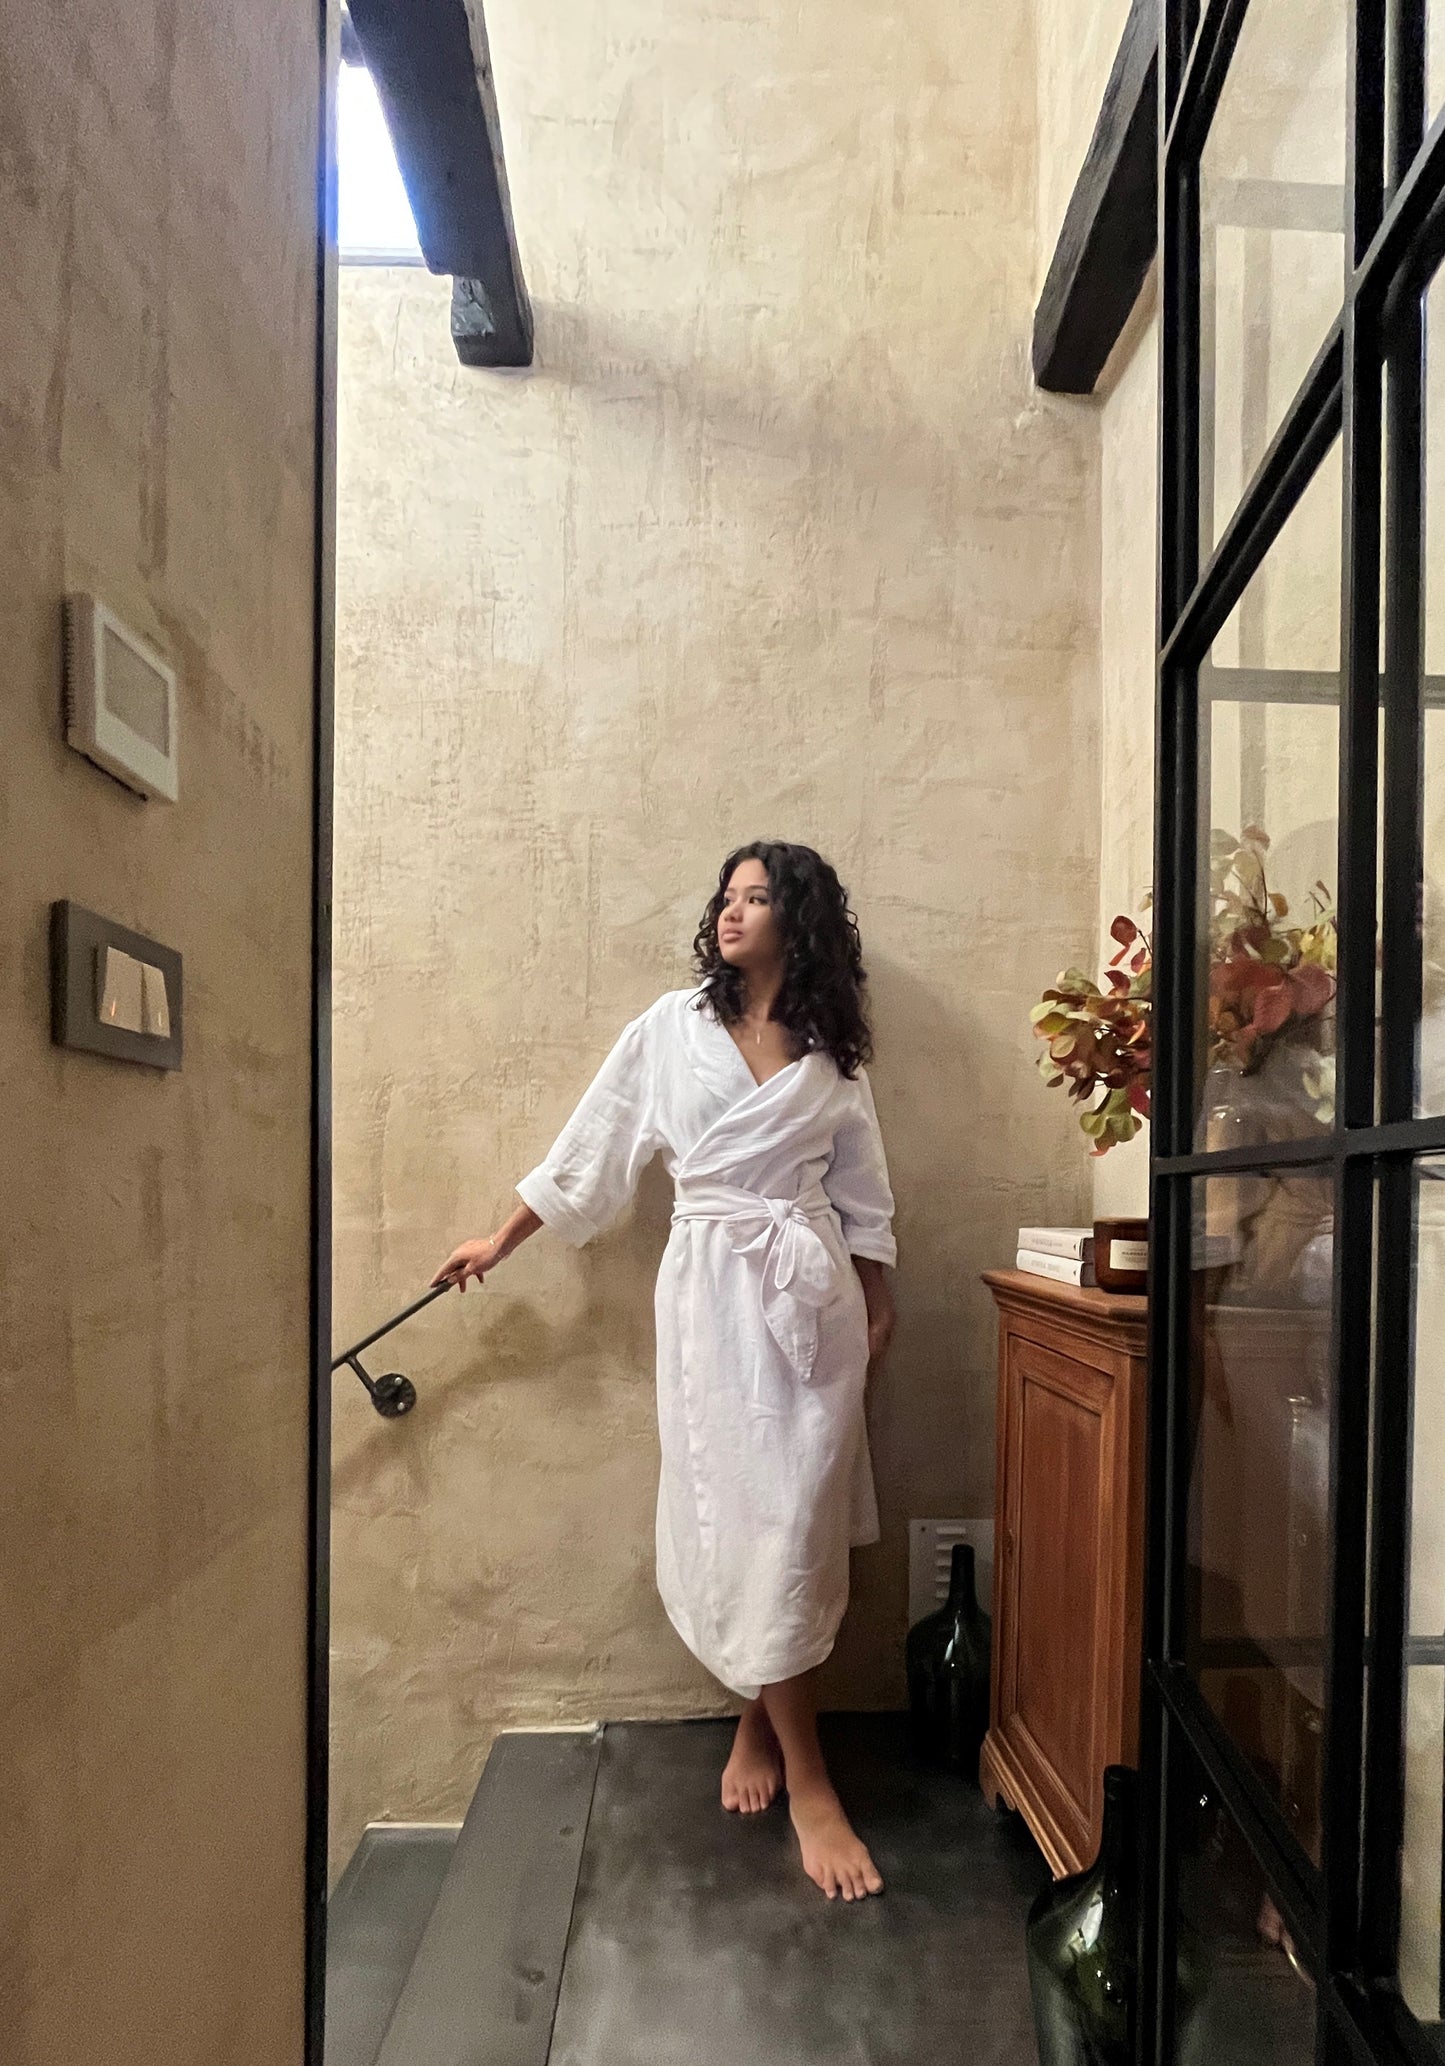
1064	1253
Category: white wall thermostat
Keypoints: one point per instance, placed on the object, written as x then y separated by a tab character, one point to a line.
120	700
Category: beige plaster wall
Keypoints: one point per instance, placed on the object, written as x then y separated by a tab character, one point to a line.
156	393
777	537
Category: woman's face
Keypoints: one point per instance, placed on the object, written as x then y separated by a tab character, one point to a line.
747	929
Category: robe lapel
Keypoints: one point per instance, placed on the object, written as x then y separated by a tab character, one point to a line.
712	1053
761	1114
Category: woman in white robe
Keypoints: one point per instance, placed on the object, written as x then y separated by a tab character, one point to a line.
771	1303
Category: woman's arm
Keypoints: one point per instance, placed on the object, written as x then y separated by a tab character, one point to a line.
592	1168
878	1297
475	1258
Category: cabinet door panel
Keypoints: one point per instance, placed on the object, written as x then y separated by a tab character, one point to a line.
1061	1463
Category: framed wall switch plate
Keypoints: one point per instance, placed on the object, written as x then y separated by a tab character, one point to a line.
113	992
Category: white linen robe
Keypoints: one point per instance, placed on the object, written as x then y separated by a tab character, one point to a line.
762	1332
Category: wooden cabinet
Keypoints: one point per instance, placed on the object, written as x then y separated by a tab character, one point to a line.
1068	1556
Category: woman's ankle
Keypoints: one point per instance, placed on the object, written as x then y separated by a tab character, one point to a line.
807	1778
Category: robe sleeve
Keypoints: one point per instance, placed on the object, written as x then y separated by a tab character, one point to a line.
856	1180
591	1170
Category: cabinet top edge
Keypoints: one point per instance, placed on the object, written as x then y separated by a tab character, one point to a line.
1125	1309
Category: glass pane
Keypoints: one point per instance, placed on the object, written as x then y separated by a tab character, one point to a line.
1242	1993
1430	1053
1268	781
1420	1974
1259	1474
1272	236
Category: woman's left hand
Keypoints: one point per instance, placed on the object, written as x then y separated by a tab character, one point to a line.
878	1297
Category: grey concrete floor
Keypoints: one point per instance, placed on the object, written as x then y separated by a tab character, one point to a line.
697	1940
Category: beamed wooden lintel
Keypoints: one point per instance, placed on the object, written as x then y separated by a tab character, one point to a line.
433	74
1109	229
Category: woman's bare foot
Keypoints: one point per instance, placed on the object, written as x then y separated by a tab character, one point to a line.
834	1855
753	1774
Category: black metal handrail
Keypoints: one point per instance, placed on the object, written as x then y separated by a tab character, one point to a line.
391	1395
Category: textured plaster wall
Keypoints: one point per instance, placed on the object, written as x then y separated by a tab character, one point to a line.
156	391
776	538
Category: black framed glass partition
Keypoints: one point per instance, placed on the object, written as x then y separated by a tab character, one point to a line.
1294	1683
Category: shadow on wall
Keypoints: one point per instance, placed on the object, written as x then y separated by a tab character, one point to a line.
956	441
492	1337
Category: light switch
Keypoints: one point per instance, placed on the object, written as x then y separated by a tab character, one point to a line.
119	992
114	992
157	1012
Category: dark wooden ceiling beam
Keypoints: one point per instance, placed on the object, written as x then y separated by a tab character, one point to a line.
1109	229
433	74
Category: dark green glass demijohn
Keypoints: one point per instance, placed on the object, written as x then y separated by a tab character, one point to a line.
1083	1951
947	1659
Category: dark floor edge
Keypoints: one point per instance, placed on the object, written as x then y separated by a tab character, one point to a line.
600	1733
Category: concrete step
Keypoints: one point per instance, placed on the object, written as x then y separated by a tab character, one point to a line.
482	1989
374	1923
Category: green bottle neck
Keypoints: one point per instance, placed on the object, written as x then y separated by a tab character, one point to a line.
962	1589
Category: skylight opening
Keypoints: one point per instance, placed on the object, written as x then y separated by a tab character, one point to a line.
375	225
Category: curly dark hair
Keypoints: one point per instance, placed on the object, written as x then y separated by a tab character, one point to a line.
822	999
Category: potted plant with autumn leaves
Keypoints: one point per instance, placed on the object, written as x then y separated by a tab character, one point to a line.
1271	1012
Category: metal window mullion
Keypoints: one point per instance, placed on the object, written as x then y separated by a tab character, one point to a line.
1178	548
1353	1248
1383	1818
1301	441
1365	127
323	629
1411	237
1201	82
1175	1038
1348	1508
1159	1903
1400	995
1174	1046
1171	1346
1407	73
1179	25
1423	1136
1400	955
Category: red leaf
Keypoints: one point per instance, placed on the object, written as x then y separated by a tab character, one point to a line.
1272	1008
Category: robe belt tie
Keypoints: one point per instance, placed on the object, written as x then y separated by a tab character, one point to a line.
800	1271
